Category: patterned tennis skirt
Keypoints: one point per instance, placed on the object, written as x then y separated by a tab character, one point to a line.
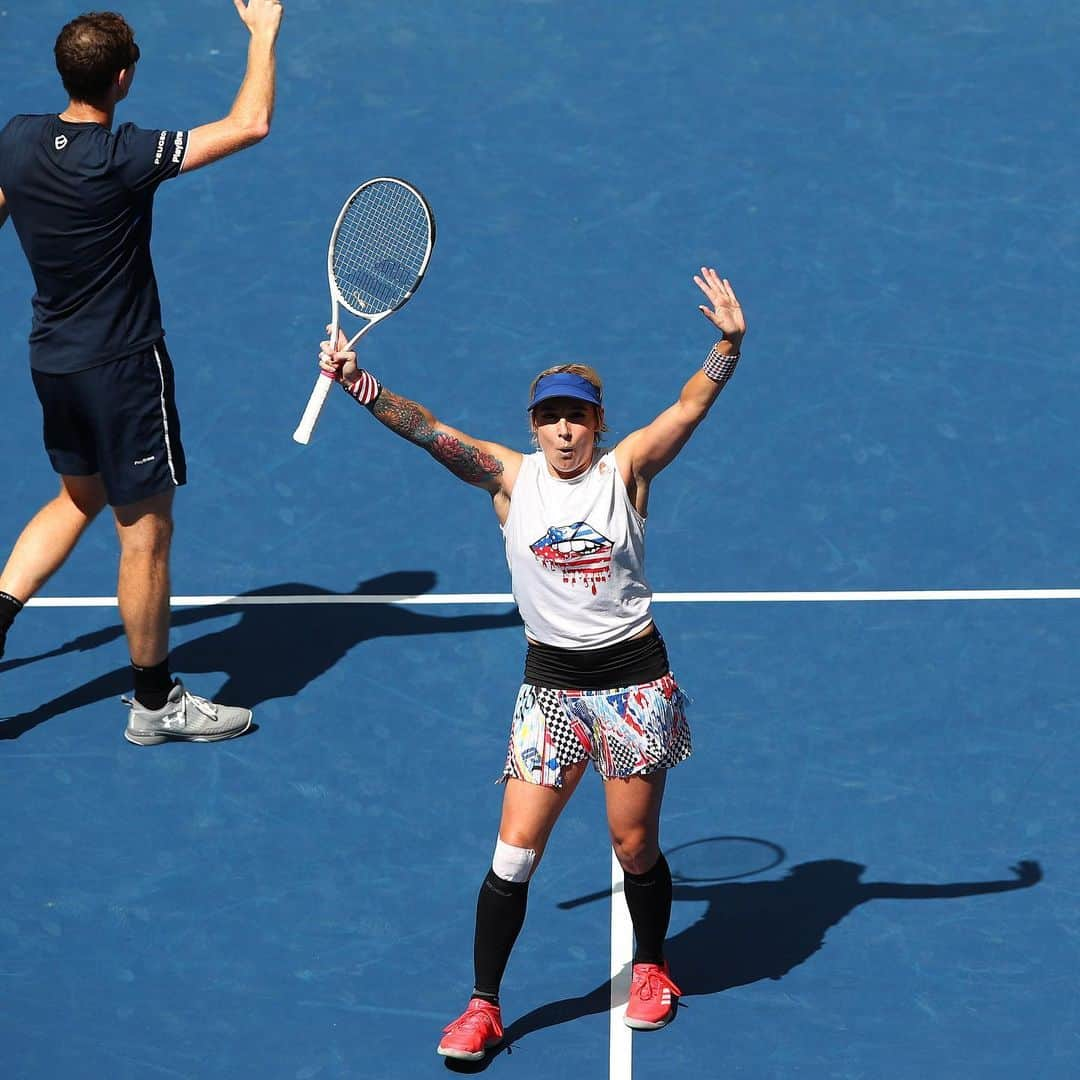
629	731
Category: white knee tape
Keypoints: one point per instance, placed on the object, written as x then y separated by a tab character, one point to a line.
512	863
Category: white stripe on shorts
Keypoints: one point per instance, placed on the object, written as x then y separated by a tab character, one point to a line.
165	417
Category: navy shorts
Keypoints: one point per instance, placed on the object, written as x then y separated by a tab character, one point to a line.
118	419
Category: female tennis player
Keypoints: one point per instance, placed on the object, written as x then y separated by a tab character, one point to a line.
597	684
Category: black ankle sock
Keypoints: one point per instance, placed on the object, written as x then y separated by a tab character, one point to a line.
648	897
500	914
9	608
152	684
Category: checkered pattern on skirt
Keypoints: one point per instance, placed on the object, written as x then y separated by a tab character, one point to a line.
627	731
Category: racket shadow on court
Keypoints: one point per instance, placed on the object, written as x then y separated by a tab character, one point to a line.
754	929
268	651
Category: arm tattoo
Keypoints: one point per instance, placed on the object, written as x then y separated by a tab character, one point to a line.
407	419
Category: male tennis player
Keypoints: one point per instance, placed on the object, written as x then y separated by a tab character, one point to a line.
80	196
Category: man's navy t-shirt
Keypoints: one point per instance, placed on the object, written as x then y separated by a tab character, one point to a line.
81	199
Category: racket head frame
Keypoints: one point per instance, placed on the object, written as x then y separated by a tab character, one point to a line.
336	295
338	301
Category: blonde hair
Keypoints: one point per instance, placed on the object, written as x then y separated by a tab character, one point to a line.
586	372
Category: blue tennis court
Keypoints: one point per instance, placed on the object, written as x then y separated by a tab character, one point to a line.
882	794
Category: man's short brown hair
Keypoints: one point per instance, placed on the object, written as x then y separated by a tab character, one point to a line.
90	51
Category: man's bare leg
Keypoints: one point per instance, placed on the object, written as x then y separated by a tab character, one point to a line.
145	530
46	542
163	710
51	535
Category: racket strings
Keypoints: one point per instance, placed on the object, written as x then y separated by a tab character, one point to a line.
381	247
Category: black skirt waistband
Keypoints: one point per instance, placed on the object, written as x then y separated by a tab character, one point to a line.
628	663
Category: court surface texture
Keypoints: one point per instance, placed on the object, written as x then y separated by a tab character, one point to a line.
864	560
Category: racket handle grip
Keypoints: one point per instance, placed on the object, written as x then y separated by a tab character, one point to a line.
315	404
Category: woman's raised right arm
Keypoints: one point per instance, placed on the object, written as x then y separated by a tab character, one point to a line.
483	464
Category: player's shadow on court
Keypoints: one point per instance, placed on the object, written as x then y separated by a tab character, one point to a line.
758	930
267	651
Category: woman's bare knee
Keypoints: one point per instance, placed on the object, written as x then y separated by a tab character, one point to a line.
633	806
636	849
529	812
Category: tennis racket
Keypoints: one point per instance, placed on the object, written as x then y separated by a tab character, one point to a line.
378	255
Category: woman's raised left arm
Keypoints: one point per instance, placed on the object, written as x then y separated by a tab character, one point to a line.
643	453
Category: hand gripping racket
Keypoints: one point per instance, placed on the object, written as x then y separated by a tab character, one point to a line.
378	255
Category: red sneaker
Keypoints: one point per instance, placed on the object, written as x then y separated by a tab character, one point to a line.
474	1032
653	998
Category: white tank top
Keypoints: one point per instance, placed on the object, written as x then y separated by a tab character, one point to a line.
576	551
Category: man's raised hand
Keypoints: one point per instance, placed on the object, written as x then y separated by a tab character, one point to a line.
723	309
260	16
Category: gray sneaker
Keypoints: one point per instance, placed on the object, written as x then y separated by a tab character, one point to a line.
185	716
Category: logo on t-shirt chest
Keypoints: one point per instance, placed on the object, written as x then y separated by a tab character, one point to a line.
578	552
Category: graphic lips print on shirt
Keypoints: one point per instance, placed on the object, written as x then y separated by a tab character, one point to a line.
577	551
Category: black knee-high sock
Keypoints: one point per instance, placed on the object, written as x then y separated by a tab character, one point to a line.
500	914
9	608
648	896
152	684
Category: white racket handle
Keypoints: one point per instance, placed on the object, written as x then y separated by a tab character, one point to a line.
315	404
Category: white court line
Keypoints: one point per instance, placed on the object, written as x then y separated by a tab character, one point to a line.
620	1037
901	595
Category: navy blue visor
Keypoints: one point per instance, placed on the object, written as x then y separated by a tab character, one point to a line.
564	384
